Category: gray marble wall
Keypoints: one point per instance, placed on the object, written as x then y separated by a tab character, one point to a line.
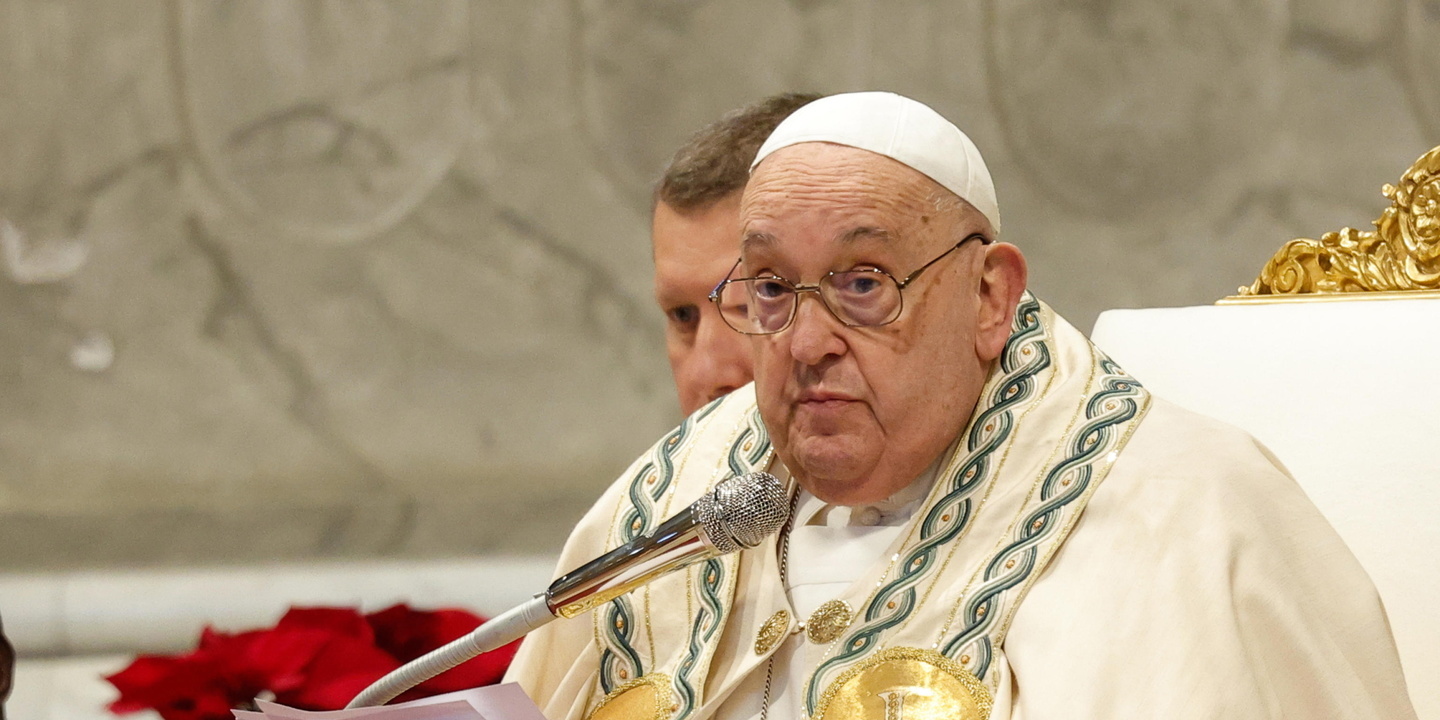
290	279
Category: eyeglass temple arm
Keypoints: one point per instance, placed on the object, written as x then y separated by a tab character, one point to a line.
902	283
715	292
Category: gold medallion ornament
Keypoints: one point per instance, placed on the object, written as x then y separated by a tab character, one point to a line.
906	684
771	632
648	698
828	621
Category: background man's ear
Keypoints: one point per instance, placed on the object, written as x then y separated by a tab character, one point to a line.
1002	281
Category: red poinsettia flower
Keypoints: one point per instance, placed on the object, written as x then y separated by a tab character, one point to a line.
313	659
407	634
179	688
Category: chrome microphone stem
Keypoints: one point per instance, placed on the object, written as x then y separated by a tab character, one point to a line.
678	542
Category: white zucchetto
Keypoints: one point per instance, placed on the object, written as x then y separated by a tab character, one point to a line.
898	128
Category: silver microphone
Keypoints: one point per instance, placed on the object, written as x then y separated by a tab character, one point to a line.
739	513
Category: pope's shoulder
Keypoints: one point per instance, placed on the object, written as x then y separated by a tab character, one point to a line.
1180	467
1200	569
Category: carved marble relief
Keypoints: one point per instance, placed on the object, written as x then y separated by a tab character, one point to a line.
297	120
1111	105
649	72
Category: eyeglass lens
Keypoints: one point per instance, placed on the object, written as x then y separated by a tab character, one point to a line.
766	305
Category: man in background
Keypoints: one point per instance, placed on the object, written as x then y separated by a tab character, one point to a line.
694	234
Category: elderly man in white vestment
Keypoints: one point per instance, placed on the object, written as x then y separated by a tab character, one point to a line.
991	519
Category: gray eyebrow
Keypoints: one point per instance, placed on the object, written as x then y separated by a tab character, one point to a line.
757	238
867	233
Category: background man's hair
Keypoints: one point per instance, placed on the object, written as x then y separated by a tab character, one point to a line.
715	162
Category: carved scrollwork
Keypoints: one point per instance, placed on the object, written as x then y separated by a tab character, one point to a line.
1401	254
640	61
335	124
1116	107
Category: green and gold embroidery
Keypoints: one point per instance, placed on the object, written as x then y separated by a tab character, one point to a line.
615	632
1110	415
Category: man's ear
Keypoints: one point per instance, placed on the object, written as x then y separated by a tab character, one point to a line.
1002	281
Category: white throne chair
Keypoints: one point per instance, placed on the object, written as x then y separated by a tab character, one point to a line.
1332	359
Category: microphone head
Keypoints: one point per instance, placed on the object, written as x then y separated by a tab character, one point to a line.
743	511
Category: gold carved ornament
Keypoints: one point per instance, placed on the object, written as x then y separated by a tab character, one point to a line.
1402	254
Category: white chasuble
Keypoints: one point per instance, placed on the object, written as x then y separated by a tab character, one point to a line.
1083	552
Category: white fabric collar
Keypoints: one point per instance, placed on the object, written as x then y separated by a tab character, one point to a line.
892	511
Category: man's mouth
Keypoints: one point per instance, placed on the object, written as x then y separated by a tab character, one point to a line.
825	399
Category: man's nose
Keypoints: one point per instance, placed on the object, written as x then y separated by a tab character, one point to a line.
815	331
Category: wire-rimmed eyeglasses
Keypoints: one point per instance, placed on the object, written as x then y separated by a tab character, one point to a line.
865	297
